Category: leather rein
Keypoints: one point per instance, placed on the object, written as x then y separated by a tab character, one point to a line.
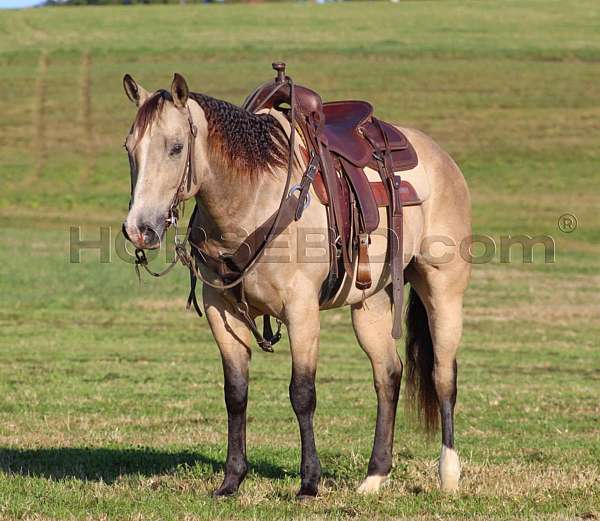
232	269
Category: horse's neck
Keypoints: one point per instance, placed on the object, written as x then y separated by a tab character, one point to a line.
232	206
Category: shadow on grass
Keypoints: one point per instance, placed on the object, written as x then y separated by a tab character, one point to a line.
108	464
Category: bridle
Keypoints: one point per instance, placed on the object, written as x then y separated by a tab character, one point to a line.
188	179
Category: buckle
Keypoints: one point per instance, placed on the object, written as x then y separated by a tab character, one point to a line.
377	156
140	257
299	188
311	171
171	219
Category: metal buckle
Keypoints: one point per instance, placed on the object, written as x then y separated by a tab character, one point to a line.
377	156
299	189
171	220
140	257
311	171
242	307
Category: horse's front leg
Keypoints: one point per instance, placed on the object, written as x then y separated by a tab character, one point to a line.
233	339
303	327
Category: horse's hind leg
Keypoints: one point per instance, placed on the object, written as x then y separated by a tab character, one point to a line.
446	330
372	321
434	323
233	338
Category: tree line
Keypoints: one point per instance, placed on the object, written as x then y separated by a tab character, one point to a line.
122	2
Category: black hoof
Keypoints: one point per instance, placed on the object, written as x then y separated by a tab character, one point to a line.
306	492
225	490
231	482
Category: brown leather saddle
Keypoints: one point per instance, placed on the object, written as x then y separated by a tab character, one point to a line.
341	139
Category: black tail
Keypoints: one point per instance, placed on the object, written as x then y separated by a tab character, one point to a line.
421	397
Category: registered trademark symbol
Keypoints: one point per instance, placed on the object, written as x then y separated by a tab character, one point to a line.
567	223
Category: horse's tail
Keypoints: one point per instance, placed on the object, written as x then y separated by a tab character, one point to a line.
421	398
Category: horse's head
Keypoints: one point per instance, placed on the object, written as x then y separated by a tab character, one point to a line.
161	147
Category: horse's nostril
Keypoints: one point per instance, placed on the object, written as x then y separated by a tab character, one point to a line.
149	235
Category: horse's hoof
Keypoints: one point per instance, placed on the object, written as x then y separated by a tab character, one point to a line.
449	470
371	484
305	497
306	493
224	491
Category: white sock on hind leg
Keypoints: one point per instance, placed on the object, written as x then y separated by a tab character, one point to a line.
449	469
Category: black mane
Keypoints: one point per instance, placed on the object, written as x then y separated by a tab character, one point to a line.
244	142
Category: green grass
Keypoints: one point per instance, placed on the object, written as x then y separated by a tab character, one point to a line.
111	395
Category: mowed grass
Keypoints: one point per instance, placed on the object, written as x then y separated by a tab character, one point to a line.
111	394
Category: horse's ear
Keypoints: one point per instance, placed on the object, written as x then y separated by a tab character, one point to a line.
179	91
135	92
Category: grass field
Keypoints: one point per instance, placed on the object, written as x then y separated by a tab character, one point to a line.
111	395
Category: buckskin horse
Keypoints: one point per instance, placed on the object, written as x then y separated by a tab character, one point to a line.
391	205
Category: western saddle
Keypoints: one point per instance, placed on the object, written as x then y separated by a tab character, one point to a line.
339	140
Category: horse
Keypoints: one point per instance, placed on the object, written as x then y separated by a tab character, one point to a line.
234	163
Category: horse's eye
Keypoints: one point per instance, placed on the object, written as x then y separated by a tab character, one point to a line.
176	149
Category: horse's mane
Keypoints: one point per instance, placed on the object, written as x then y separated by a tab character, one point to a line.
240	141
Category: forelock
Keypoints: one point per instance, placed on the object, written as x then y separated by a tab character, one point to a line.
150	111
